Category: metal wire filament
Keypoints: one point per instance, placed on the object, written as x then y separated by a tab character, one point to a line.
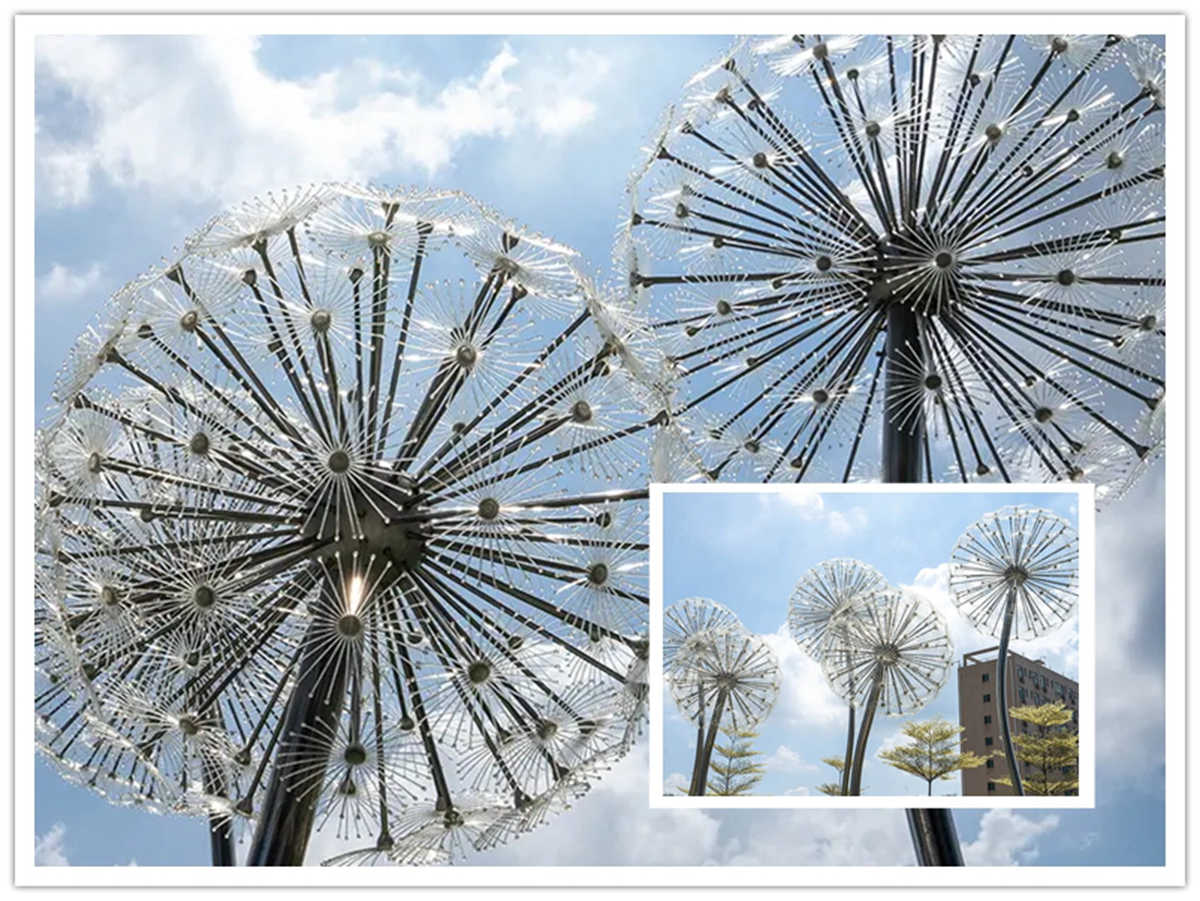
342	525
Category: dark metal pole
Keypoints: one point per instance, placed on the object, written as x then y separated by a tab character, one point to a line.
849	752
1014	772
696	768
934	836
718	709
221	841
864	730
310	723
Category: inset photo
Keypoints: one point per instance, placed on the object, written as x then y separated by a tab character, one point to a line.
872	646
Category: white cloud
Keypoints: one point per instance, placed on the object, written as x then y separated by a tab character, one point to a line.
786	760
805	698
63	284
1006	838
49	849
199	118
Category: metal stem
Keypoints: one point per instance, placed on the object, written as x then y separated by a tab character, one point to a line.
1010	757
864	731
849	751
221	841
934	836
696	768
710	740
310	723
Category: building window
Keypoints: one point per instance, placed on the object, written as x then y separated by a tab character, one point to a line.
991	786
990	763
987	719
987	698
987	740
987	677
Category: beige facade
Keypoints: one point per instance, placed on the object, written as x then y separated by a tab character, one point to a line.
1030	682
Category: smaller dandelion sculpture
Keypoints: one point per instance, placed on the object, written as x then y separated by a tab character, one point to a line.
824	606
341	525
898	655
1015	572
717	671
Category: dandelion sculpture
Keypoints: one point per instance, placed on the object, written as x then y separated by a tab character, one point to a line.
824	606
910	258
716	670
1015	571
898	657
342	524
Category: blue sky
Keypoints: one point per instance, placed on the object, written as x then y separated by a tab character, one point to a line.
747	551
141	140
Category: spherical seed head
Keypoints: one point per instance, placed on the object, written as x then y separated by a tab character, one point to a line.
598	573
1043	414
338	461
1065	277
993	132
355	754
944	259
321	320
824	263
203	596
933	381
479	672
489	508
465	356
820	396
581	411
1114	160
199	444
873	129
760	160
724	307
350	625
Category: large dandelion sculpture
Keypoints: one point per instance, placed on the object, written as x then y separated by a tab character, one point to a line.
718	673
824	607
898	658
342	525
916	257
1015	572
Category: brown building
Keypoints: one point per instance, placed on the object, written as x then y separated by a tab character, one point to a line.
1030	682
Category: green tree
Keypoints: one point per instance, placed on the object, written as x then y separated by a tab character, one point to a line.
1052	752
932	752
734	769
833	788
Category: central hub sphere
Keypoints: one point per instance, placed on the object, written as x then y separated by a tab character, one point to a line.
350	625
338	462
760	160
1066	278
203	597
581	411
108	596
887	654
188	321
1043	414
1015	575
824	263
820	396
321	320
479	672
356	754
466	356
873	129
598	573
199	444
993	132
933	381
724	307
95	462
489	508
944	259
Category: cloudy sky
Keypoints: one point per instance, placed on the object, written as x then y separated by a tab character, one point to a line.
747	551
141	140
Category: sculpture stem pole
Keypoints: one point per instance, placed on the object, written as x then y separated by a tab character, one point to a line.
718	709
935	839
1010	758
310	723
864	731
700	723
849	752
